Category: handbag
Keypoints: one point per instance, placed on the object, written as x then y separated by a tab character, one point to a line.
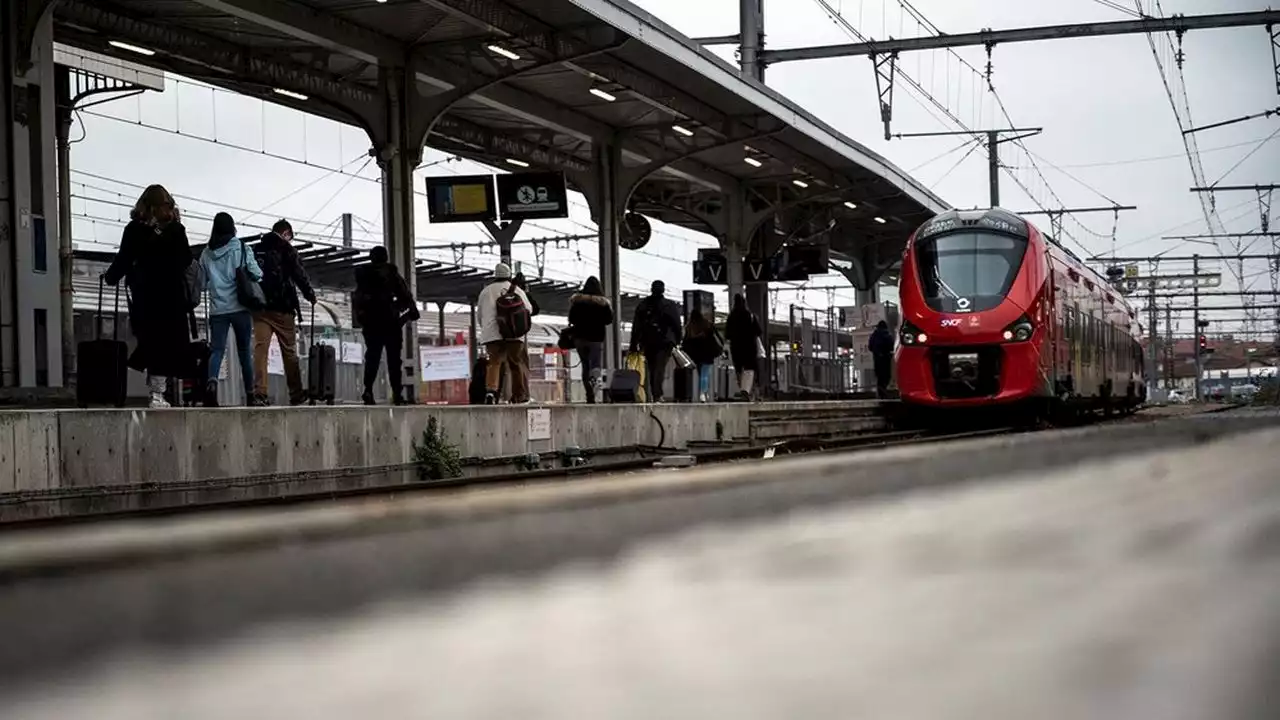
248	291
565	341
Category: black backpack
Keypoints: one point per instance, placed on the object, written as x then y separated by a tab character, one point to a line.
514	318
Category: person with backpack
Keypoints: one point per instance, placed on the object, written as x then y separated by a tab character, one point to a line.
224	258
505	318
282	277
381	300
655	331
881	346
154	261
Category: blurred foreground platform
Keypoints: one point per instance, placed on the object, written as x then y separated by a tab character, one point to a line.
1114	572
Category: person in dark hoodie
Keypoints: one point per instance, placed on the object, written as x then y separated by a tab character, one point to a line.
590	315
881	347
282	277
381	300
152	260
744	334
222	257
655	331
703	344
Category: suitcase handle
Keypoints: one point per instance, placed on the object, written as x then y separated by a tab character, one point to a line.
115	311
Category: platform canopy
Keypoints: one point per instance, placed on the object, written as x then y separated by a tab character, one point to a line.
543	84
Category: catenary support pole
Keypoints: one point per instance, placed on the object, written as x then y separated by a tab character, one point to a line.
993	167
1195	337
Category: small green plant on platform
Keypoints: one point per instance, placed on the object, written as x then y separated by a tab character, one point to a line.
435	457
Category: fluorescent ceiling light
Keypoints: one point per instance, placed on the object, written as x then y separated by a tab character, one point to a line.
131	48
800	183
499	50
289	94
752	162
609	97
682	130
517	163
880	220
850	205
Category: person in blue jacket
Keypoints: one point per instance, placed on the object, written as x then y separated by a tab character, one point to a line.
225	254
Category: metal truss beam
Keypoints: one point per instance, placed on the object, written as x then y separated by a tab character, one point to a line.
313	26
1174	23
469	136
212	60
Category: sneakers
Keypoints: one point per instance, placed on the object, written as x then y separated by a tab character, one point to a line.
211	394
158	402
367	398
491	398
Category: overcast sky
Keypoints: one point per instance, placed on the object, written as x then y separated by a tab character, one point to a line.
1110	134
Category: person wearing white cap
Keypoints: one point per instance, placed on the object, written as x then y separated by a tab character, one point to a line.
505	317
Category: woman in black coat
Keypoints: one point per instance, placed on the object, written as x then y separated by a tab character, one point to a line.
152	260
744	340
590	315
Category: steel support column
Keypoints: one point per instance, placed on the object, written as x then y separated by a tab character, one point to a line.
398	155
608	165
65	241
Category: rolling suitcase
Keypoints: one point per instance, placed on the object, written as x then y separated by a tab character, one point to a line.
322	368
627	385
102	374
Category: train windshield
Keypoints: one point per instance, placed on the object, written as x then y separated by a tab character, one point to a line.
968	271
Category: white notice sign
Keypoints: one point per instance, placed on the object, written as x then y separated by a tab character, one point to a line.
446	362
539	423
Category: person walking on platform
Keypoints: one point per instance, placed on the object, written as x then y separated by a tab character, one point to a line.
223	258
881	347
152	261
703	344
381	299
745	346
590	315
282	277
505	316
655	331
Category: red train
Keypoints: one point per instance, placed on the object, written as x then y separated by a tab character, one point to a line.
995	313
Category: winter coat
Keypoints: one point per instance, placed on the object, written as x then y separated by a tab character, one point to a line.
703	348
282	275
221	258
590	316
743	330
657	324
487	309
881	343
381	295
152	260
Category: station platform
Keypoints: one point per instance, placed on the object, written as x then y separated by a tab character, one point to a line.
78	462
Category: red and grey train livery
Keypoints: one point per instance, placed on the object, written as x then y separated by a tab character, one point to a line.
995	313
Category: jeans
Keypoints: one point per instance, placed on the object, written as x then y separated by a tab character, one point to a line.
376	342
591	355
284	327
704	380
508	354
241	323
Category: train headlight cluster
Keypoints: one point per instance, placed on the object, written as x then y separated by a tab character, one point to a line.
911	335
1020	331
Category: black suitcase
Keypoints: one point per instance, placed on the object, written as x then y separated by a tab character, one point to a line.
476	390
322	368
624	386
102	375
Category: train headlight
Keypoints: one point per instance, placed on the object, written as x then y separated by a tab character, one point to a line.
911	335
1020	331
